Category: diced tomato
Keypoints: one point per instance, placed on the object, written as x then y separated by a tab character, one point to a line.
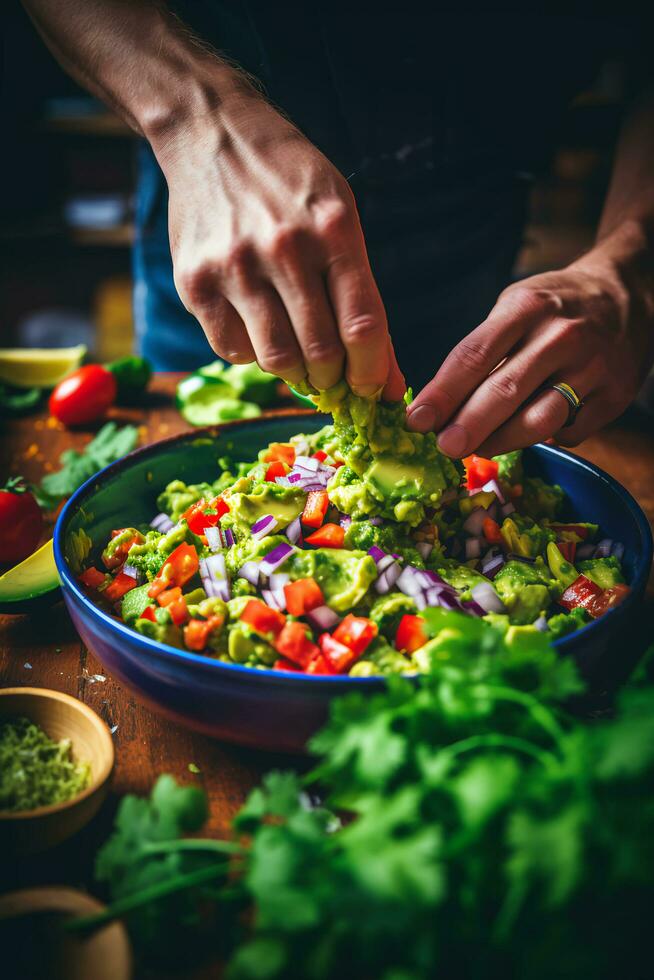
178	611
320	455
180	566
411	633
315	508
262	618
281	451
320	665
165	598
516	491
93	578
278	468
197	631
582	592
492	531
327	536
117	557
302	596
567	549
149	613
283	664
295	643
198	519
337	463
220	506
609	599
339	656
578	529
356	632
479	471
119	587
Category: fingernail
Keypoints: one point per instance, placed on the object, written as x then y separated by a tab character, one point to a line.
422	418
366	391
453	440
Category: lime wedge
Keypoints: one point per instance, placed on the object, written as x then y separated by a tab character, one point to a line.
38	367
33	581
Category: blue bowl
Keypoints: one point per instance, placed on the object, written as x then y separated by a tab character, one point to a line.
271	709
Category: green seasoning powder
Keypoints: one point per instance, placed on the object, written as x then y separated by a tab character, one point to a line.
35	770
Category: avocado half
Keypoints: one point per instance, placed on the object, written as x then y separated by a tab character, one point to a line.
32	584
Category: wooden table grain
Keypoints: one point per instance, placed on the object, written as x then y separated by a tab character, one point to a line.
45	651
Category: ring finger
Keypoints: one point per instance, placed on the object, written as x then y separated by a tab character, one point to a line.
270	332
543	416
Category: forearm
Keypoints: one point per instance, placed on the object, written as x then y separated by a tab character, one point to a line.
138	58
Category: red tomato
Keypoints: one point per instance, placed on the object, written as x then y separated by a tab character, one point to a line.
356	632
320	665
582	592
93	578
567	549
148	613
339	656
180	566
410	634
315	508
283	664
276	468
84	396
609	599
196	631
262	618
492	531
21	522
119	587
294	643
327	536
178	611
302	596
479	471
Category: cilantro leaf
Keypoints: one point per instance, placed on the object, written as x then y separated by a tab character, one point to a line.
110	444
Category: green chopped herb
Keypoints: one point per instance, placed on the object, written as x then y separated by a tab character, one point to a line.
111	443
35	770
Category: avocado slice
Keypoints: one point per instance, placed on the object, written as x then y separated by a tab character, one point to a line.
32	583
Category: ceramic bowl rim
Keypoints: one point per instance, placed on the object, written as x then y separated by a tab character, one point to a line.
286	678
97	781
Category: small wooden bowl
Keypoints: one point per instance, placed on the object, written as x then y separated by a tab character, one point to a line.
60	716
34	945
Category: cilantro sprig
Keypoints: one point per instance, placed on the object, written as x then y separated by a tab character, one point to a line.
467	825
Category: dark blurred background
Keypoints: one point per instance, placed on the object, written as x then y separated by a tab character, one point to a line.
66	198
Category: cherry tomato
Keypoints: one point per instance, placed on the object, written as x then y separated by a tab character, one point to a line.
21	522
84	396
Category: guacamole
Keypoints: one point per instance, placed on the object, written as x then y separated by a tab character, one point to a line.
320	555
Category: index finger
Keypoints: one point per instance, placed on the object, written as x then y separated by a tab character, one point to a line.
477	355
361	321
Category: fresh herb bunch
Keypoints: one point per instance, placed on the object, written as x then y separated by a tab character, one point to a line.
470	828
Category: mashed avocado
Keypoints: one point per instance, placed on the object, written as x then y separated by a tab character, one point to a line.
344	576
389	471
605	572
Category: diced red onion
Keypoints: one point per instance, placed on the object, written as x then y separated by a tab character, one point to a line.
214	538
162	523
388	578
309	463
603	549
283	481
541	624
473	548
130	570
276	558
448	601
420	601
376	521
294	531
377	553
293	477
265	525
345	520
213	573
277	581
301	447
228	535
618	550
251	572
424	548
484	594
507	509
409	581
272	599
385	563
474	523
322	618
491	567
473	608
493	487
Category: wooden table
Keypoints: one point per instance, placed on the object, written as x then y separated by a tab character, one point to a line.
45	651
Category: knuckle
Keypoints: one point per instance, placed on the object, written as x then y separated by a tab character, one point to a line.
472	354
197	285
504	386
277	361
527	299
360	329
333	217
540	422
322	351
236	261
284	240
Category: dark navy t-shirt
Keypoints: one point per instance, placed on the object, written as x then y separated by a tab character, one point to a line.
438	120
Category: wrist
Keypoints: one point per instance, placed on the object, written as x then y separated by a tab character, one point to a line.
624	260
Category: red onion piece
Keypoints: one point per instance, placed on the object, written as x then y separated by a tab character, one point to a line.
424	548
276	558
409	582
162	523
309	463
376	521
585	551
344	520
507	509
473	548
485	595
214	538
388	578
474	523
385	563
294	531
491	568
541	624
473	608
322	618
272	599
213	573
618	550
493	487
251	572
263	526
277	581
603	549
377	553
128	569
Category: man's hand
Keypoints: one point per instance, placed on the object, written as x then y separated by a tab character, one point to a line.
268	251
589	325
